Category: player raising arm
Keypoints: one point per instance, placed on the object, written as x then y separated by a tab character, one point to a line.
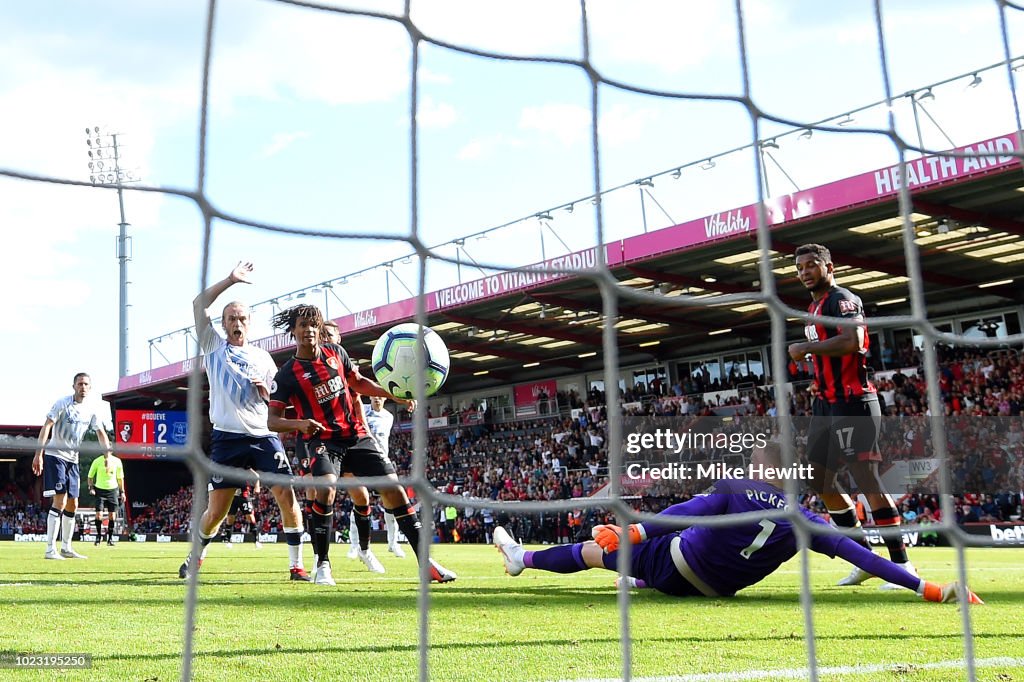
317	383
712	562
239	375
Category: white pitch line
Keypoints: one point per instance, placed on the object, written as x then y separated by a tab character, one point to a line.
804	673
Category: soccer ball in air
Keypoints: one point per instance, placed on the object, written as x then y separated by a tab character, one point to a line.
394	360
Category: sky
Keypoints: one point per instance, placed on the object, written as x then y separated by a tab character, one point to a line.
309	128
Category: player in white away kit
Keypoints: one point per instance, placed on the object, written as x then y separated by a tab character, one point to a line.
56	459
379	423
240	376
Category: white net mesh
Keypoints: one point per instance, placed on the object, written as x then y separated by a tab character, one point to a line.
611	290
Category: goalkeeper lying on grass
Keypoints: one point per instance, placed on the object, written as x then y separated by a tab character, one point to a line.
712	562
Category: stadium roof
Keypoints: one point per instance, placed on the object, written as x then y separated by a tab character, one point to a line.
23	430
968	218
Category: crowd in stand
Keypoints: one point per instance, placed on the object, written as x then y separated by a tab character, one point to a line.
19	513
172	514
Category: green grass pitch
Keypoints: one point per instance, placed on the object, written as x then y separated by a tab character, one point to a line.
124	606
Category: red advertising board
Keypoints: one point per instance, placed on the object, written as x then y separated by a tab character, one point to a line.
529	394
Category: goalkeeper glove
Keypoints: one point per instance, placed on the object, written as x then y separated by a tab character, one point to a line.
945	593
608	536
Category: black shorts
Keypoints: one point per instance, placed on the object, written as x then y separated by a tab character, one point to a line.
240	505
108	500
302	457
361	458
843	432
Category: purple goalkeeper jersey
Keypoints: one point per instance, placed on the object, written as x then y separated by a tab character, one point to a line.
733	557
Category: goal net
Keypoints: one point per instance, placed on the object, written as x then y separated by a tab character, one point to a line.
899	125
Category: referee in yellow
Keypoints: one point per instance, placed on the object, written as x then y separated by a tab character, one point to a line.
106	482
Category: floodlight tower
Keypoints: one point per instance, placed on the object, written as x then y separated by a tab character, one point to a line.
105	169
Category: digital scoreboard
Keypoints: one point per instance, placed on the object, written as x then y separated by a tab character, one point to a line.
159	429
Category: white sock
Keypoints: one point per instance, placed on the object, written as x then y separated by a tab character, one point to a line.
67	529
294	551
353	532
392	525
52	519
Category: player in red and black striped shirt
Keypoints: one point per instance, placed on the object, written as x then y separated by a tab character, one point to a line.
846	413
316	382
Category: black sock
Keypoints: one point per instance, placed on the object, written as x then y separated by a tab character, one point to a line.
361	516
321	522
110	530
307	512
203	542
409	524
848	519
888	521
99	528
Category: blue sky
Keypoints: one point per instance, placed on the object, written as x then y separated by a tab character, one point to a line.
308	126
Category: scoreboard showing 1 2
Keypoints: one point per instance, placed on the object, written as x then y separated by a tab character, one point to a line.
156	428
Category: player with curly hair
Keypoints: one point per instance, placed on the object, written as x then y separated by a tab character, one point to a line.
322	384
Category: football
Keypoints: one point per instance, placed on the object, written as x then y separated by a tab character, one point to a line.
394	360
